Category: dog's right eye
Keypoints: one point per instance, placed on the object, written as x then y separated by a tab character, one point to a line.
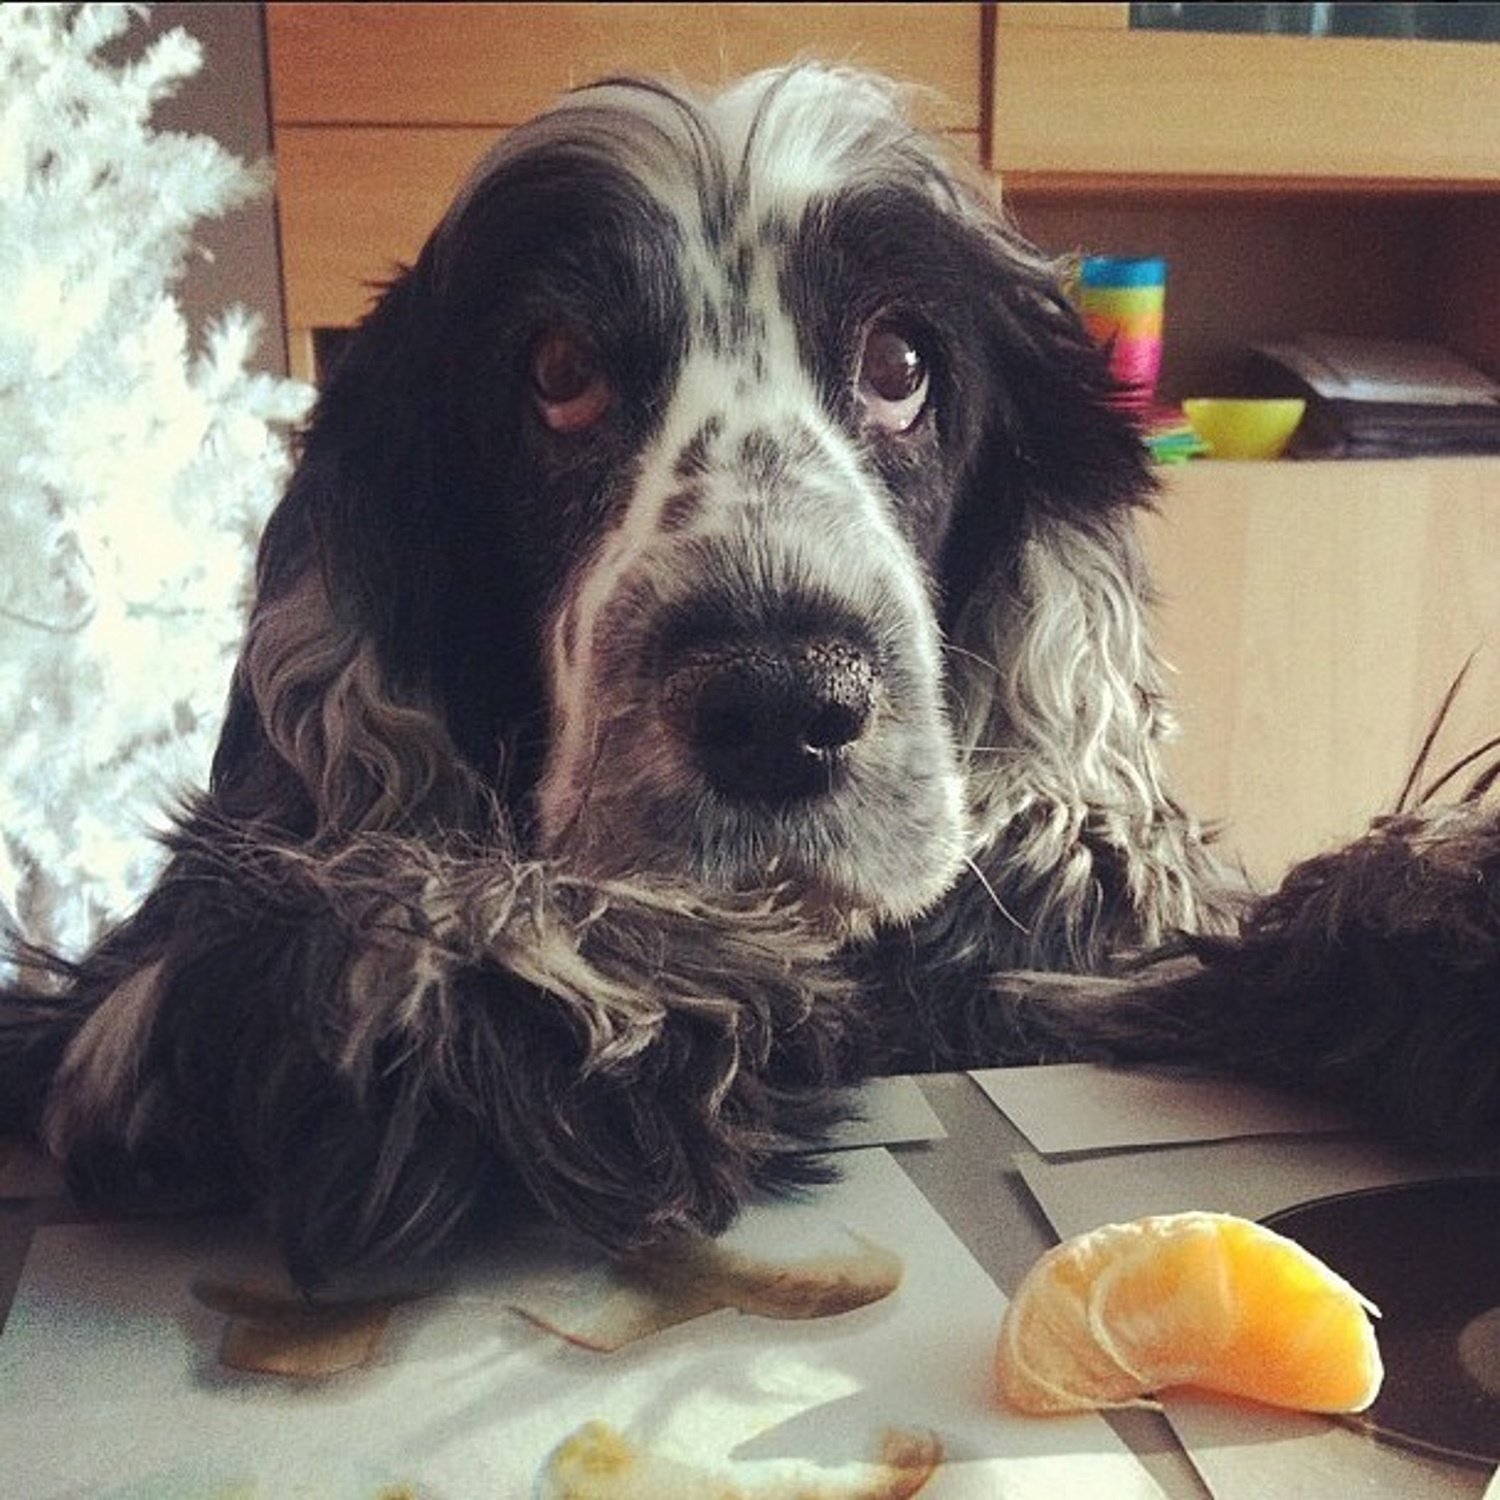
893	378
571	389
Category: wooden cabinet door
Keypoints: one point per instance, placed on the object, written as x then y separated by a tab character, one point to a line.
1077	91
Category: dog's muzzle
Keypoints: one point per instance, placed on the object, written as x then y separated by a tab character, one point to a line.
759	706
772	722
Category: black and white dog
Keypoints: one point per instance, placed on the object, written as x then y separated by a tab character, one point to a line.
700	660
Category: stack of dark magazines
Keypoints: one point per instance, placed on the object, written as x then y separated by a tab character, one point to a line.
1380	398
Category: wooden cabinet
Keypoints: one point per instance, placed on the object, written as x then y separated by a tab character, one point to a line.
1293	183
1077	91
496	65
1315	615
1315	612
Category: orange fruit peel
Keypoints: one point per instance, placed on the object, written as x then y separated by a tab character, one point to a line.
1202	1300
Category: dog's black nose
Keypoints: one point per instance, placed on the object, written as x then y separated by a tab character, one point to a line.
772	723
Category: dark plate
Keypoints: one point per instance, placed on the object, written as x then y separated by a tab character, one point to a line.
1428	1256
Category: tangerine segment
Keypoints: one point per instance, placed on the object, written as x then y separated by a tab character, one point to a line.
1192	1299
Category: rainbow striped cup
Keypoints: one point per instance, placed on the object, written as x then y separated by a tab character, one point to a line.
1122	299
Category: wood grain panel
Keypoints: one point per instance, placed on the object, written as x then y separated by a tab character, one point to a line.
1316	614
355	203
1072	14
499	64
1101	101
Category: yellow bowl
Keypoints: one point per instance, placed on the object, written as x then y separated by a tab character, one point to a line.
1245	429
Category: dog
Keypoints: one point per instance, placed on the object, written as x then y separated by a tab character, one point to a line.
700	660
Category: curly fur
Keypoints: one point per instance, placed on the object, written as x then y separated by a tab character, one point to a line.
362	1042
1370	977
487	909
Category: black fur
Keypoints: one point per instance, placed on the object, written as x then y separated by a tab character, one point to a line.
412	970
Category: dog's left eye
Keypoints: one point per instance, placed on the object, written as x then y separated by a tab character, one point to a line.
571	389
893	377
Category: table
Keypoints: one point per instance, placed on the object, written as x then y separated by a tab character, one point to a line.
981	1178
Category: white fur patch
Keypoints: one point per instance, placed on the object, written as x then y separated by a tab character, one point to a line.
779	490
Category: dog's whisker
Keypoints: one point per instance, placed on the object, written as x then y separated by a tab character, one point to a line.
994	896
950	649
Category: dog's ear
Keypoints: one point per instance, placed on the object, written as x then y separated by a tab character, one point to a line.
1059	703
1060	441
360	700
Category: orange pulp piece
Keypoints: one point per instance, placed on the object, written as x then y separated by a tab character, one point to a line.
1206	1300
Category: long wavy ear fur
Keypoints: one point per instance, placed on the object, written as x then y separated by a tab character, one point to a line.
334	723
1059	696
1062	715
337	720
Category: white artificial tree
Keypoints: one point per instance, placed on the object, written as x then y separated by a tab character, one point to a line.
135	470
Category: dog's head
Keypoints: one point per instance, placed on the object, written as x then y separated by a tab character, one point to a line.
673	492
